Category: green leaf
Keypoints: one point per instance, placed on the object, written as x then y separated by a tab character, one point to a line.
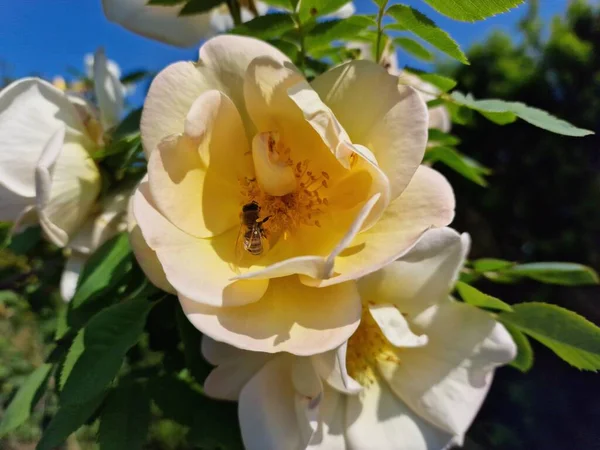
414	48
104	270
324	33
477	298
491	264
269	26
506	112
570	336
166	2
125	418
134	76
25	241
28	395
199	6
73	354
462	164
106	339
524	359
441	82
284	4
129	126
471	11
566	274
291	50
308	9
67	420
426	29
439	137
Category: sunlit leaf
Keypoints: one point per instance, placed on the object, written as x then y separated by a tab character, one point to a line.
269	26
460	163
567	274
416	22
106	339
475	297
505	112
441	82
471	11
414	48
324	33
572	337
524	358
308	9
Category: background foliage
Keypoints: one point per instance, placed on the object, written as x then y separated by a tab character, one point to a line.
540	204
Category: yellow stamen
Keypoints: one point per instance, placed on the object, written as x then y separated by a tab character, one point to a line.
366	347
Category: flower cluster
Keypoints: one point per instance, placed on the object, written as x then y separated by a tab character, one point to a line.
48	139
306	241
297	226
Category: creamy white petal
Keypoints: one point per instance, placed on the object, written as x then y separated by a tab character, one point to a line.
394	326
70	276
67	184
31	110
446	381
378	420
162	23
422	277
267	409
109	91
330	432
227	380
331	366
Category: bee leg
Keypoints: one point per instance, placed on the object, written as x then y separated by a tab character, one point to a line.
261	221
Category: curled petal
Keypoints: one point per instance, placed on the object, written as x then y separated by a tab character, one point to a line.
331	366
31	110
222	66
194	178
395	328
392	124
65	176
427	202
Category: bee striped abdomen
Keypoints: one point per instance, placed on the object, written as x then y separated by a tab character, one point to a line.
253	241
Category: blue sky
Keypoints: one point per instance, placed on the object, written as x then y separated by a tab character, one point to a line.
47	36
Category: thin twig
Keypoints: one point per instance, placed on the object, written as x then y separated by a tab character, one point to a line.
378	49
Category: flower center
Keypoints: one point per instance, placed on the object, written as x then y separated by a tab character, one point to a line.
366	348
306	201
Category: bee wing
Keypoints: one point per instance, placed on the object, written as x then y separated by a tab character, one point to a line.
239	249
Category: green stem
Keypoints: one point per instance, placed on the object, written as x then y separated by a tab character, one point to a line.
302	56
378	48
235	11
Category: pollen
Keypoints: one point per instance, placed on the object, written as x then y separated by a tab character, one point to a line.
302	207
366	348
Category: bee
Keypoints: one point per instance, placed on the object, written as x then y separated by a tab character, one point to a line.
251	230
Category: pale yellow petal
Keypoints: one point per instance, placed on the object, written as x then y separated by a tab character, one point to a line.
195	178
427	202
198	269
391	120
290	317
